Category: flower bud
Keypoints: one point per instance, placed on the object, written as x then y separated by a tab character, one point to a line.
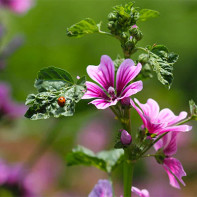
126	101
112	17
125	138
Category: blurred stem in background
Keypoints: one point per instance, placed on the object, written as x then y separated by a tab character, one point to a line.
46	142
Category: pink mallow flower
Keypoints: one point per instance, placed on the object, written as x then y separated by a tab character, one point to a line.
17	6
158	122
104	189
8	108
104	74
167	146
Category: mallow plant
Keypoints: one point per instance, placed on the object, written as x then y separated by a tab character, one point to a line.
113	84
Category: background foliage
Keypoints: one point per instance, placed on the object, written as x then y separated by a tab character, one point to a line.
46	44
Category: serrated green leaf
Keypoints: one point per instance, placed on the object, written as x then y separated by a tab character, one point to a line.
55	74
105	160
161	61
193	109
86	26
146	14
51	84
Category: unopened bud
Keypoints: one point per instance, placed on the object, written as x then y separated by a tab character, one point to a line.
125	138
126	101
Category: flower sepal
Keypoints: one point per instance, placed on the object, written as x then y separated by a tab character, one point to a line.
160	156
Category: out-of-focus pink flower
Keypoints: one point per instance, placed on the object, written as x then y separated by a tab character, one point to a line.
158	122
104	189
104	74
134	26
17	6
141	193
16	179
172	166
8	108
11	180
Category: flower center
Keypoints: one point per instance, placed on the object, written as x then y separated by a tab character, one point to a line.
111	92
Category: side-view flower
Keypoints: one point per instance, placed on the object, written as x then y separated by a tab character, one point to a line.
158	122
166	147
104	74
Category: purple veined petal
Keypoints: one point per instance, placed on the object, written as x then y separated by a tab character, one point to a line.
154	127
126	73
103	73
168	116
158	144
140	113
180	128
102	103
172	179
175	167
140	193
94	91
132	89
102	189
150	109
170	143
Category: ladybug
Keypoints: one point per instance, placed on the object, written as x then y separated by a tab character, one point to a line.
61	101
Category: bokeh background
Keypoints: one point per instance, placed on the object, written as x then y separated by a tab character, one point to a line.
43	29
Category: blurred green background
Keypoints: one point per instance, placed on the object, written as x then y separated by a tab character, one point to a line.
46	44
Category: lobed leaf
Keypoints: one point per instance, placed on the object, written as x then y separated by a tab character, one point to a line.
161	61
51	84
105	160
86	26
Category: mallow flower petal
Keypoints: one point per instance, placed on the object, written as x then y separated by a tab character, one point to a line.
139	112
175	167
168	116
103	73
131	89
150	109
94	91
170	143
181	128
172	179
102	103
140	193
126	72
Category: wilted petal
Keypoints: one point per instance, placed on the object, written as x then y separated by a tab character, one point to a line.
126	72
102	103
141	193
104	73
94	91
102	189
132	89
174	168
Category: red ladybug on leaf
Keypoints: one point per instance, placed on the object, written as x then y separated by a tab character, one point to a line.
61	101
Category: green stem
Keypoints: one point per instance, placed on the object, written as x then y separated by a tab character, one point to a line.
184	121
128	175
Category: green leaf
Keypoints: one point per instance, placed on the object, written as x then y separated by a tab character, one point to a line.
193	109
161	61
54	74
86	26
51	84
146	14
105	160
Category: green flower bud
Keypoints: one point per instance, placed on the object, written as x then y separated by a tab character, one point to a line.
112	16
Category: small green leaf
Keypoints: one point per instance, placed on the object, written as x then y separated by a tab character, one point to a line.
51	84
193	109
146	14
86	26
105	160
